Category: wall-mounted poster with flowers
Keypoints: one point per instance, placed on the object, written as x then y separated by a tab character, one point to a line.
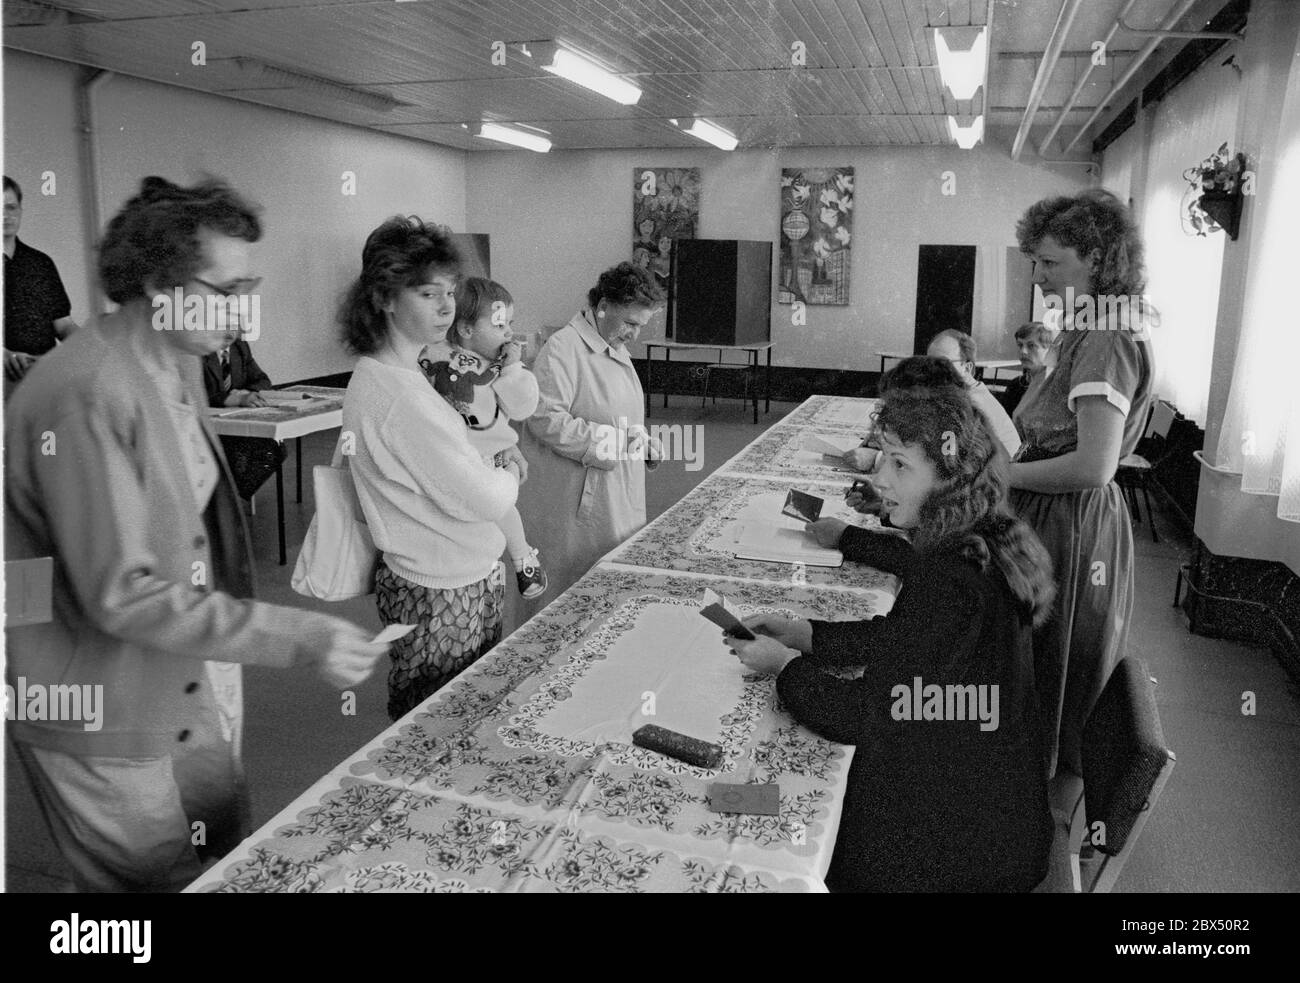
816	235
665	206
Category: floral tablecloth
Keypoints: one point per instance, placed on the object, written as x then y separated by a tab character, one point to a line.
779	453
832	412
692	536
473	792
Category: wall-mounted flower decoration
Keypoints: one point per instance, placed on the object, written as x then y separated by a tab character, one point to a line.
1212	201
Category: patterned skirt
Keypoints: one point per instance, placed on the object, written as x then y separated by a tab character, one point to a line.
454	628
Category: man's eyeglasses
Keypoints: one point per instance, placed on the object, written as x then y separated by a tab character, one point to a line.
240	288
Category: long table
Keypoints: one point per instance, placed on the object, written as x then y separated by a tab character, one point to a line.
520	775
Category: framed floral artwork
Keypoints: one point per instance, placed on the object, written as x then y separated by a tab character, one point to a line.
816	235
665	207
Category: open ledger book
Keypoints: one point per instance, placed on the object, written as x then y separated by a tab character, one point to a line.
761	532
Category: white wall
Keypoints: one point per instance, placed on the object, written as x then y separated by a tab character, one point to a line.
40	134
558	219
289	164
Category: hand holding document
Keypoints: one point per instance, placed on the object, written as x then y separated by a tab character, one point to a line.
717	610
391	634
802	506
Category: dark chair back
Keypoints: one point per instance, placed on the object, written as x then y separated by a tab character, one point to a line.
1125	767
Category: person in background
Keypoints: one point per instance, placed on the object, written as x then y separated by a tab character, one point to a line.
113	470
433	505
1034	342
958	347
232	377
958	802
921	371
1088	413
587	446
477	369
37	310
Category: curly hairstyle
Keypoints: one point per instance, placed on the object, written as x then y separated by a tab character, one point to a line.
967	513
625	283
925	371
475	296
1092	219
154	239
403	252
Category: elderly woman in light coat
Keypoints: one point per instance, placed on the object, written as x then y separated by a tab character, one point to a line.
587	447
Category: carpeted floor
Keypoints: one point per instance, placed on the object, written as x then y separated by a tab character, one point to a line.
1223	823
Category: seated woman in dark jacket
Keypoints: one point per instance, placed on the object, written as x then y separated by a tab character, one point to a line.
948	789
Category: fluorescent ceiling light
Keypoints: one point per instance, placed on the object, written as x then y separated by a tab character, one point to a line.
966	136
519	138
963	55
702	129
588	74
261	74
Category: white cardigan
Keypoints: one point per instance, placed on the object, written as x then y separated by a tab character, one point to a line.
431	502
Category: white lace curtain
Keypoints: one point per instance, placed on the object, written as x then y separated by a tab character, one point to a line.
1183	271
1261	428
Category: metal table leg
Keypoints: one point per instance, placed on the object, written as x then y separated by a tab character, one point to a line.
298	465
649	361
668	357
767	401
752	371
279	508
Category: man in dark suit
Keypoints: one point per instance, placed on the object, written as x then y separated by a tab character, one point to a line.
232	377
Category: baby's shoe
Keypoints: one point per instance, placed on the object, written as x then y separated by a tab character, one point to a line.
531	578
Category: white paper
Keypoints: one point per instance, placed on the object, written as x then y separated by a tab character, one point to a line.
831	446
773	543
392	633
275	397
667	669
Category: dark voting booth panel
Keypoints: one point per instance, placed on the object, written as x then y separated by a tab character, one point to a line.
945	291
722	291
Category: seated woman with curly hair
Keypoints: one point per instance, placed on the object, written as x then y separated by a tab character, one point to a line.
947	791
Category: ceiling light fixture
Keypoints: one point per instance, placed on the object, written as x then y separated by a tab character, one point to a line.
963	54
584	72
966	136
702	129
259	73
517	138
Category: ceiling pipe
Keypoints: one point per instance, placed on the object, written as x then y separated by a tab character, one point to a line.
1175	15
1194	35
1045	69
1083	79
985	101
92	80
